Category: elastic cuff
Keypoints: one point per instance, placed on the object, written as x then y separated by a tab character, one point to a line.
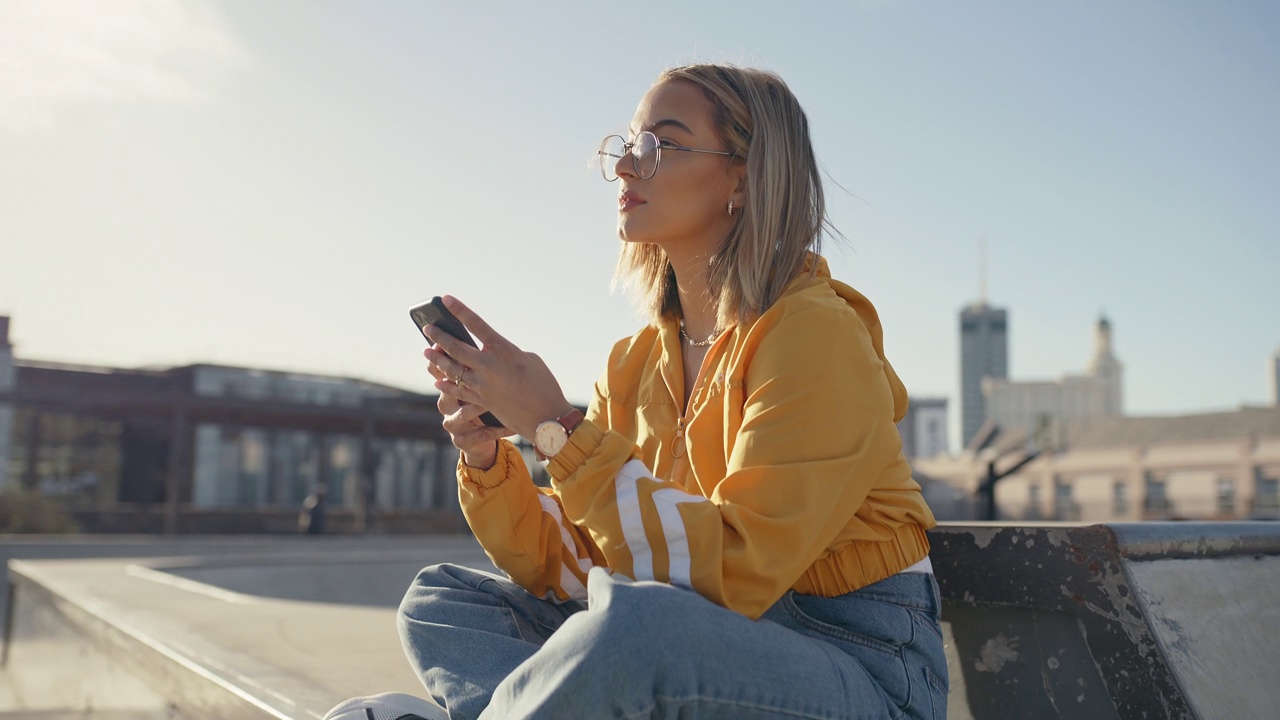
582	444
494	476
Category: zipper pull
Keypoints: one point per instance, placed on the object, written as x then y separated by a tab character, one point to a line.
677	446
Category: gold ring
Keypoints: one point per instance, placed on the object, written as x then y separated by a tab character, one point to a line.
461	381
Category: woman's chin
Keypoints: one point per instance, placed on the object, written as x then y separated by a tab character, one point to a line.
631	233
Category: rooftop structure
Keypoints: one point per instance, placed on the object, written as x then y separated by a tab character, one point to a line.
1041	406
924	427
1205	466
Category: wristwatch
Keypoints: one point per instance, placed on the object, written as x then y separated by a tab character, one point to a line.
551	436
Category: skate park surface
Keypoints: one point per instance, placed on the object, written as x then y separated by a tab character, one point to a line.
1045	620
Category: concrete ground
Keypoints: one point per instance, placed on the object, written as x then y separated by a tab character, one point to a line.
1049	620
259	628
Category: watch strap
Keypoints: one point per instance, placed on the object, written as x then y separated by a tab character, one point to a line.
571	420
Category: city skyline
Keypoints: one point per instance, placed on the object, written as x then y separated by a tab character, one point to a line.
274	185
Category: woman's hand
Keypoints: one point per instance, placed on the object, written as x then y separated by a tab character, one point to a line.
514	385
477	441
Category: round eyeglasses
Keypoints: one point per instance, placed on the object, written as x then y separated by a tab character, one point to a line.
645	152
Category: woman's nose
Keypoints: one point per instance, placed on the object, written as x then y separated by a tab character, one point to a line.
625	166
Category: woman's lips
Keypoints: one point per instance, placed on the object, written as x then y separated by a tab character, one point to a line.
628	200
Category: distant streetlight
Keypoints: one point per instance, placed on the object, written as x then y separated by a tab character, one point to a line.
1046	439
988	488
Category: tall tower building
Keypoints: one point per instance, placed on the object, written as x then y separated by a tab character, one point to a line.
984	353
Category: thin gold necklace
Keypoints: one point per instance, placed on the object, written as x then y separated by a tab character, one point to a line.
698	343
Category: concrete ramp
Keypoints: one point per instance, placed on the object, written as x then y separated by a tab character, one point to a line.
1175	620
1152	620
285	633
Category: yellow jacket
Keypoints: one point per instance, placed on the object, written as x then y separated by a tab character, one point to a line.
785	472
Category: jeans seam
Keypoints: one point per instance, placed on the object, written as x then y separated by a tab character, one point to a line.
897	599
931	621
772	709
936	688
510	603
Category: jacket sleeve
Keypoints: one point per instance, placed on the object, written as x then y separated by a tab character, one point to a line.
523	529
816	432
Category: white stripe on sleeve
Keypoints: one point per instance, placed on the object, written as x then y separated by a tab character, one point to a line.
668	500
627	490
568	581
674	534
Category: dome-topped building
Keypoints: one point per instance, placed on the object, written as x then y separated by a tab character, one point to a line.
1040	407
1106	371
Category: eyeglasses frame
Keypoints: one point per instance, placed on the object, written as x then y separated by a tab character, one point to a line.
628	148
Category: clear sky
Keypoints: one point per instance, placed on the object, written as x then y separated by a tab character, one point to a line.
272	184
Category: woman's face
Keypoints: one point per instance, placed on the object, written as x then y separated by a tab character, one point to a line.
684	206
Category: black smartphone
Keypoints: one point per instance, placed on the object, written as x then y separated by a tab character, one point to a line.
433	312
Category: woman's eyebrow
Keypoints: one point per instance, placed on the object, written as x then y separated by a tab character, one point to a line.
668	122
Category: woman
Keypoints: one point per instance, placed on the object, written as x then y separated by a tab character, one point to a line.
731	530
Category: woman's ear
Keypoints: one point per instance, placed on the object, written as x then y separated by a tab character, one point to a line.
740	187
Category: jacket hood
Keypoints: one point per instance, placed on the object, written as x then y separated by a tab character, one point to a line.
871	319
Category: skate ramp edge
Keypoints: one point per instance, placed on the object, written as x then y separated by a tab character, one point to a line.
1170	620
1165	620
148	638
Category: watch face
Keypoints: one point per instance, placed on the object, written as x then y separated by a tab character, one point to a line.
550	437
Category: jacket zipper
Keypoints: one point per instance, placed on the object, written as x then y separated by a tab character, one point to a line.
677	447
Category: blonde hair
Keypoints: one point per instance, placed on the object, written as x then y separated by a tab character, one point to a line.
758	118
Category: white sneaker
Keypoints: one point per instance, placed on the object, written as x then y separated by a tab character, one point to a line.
387	706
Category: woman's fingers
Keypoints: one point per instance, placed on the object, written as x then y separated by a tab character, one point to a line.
448	404
454	348
470	435
460	416
453	377
455	366
459	390
441	366
433	367
516	385
471	412
475	440
478	327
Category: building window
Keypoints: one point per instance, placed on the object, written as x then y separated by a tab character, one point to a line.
1033	502
1120	499
1226	497
1157	499
76	458
342	482
1266	497
1064	508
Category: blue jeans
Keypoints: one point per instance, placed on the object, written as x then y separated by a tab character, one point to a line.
485	648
